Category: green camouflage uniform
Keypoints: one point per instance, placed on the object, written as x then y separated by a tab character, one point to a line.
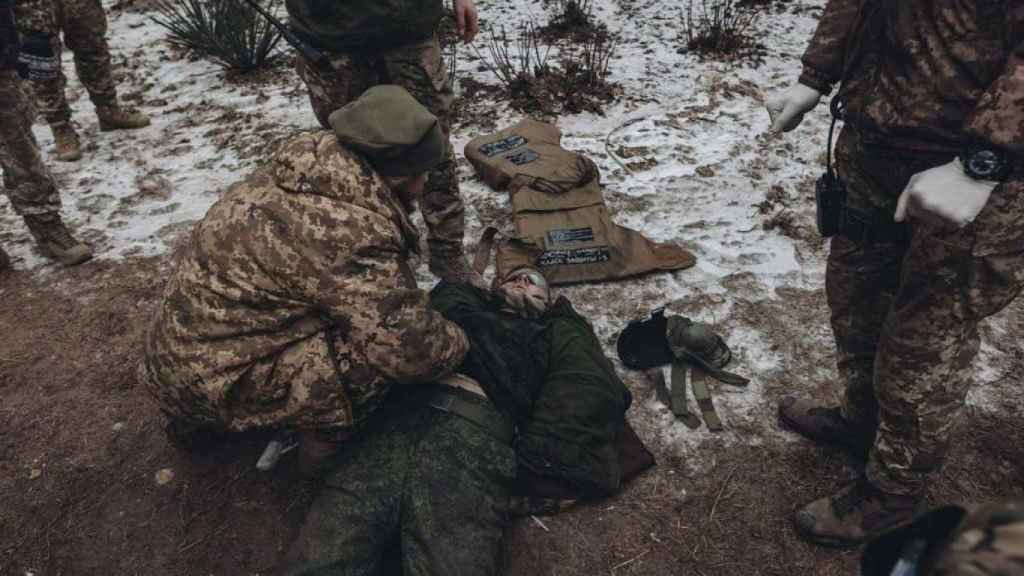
417	66
427	483
27	182
923	78
292	304
85	26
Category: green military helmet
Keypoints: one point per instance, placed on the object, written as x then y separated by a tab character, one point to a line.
392	130
985	540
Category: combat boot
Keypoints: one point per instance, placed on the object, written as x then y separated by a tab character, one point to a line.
854	514
5	260
826	426
55	240
451	266
68	146
117	118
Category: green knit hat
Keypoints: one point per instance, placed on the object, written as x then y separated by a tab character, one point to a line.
395	132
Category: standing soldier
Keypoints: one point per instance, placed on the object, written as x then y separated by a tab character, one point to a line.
930	237
27	182
392	42
84	24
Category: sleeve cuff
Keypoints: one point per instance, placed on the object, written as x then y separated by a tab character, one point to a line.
812	79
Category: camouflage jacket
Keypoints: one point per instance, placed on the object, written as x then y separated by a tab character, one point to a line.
931	74
292	303
8	36
362	25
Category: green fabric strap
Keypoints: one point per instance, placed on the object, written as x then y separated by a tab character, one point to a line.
680	374
476	411
703	396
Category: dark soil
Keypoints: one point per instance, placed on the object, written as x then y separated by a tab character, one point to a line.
81	447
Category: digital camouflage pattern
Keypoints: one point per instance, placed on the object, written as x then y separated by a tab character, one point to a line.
420	69
429	482
928	72
27	182
292	303
84	25
905	315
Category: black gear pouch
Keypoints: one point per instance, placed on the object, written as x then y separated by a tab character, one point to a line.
36	60
829	196
829	192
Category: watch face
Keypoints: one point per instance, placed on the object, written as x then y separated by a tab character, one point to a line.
984	163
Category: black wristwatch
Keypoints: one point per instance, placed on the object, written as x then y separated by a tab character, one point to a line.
985	163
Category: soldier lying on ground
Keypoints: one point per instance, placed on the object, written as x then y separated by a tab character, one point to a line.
27	182
293	303
431	478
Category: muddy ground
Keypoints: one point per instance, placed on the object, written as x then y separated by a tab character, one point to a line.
81	446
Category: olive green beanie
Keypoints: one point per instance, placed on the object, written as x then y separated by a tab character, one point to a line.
395	132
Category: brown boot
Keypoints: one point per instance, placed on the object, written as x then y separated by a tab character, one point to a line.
66	142
117	118
5	260
451	266
55	240
854	514
826	426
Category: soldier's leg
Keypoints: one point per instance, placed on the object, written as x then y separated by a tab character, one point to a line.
44	17
27	182
950	281
85	29
329	90
453	515
356	515
420	69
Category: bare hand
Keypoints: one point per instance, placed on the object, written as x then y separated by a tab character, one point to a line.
467	22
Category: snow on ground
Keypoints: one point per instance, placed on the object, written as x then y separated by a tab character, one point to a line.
698	127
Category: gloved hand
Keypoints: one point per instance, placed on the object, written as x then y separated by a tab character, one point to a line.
944	196
787	108
467	22
522	302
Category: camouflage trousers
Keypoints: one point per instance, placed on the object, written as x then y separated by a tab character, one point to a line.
27	182
417	482
85	26
420	69
905	315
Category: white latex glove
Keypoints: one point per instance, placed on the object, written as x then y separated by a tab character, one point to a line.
787	108
944	196
467	22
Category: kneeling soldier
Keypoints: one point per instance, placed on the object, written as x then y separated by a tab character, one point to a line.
293	303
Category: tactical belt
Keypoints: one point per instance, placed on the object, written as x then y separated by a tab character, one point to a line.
477	409
863	228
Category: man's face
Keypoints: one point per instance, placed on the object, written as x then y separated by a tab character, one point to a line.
526	290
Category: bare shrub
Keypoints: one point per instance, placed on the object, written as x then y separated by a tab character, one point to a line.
571	18
534	85
229	32
589	62
448	38
721	28
520	61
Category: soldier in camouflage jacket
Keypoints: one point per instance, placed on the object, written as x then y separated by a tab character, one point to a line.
293	304
930	238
